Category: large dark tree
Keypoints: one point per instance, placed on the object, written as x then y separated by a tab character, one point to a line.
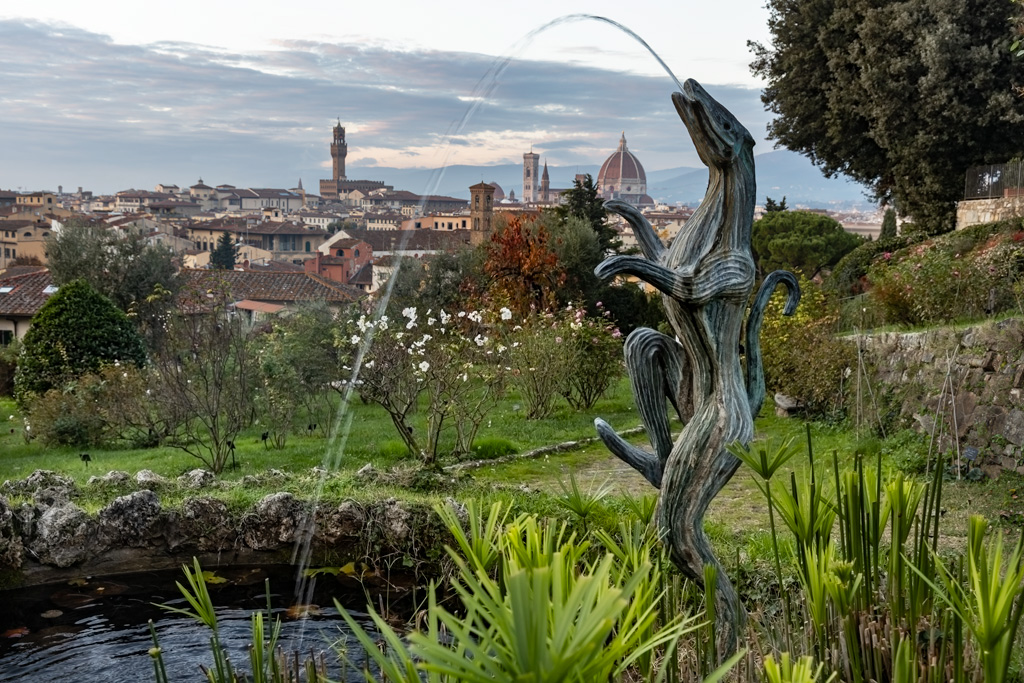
226	253
902	96
77	331
800	241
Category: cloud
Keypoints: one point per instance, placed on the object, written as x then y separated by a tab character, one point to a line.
80	109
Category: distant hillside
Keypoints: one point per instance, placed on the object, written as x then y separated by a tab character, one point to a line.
779	173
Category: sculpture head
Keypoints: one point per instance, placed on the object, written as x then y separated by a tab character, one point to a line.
716	133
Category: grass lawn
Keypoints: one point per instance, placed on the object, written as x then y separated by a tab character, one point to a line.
371	438
738	515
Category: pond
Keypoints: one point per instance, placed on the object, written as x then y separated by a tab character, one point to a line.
97	629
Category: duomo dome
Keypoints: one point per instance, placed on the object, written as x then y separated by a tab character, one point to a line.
622	177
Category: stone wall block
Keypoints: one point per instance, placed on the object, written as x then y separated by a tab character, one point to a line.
133	520
65	535
203	523
274	523
1014	429
11	547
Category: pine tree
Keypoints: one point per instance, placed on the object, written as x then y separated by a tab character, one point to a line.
888	225
226	253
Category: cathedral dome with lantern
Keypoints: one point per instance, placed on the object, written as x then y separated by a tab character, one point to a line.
622	177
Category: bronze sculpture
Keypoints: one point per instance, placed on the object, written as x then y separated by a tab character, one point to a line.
706	278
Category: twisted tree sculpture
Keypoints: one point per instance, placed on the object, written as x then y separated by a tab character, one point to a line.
706	278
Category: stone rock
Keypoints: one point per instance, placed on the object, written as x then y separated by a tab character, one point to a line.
151	480
274	522
1014	429
269	478
345	521
114	478
787	406
197	479
40	479
48	497
65	535
131	520
396	522
203	523
11	548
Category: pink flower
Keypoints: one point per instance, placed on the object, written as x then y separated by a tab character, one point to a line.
887	255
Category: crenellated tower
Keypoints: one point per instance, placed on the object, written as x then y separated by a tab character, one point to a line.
339	150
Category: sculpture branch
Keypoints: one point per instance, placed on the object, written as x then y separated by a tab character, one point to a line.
705	278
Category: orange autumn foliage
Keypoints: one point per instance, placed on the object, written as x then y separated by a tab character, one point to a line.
523	268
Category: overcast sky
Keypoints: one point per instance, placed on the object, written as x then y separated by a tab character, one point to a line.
113	94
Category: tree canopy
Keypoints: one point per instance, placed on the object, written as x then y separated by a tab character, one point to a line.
799	241
902	96
138	277
581	201
77	331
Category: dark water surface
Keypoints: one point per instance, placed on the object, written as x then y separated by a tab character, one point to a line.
99	632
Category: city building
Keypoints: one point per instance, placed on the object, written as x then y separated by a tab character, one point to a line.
338	187
622	177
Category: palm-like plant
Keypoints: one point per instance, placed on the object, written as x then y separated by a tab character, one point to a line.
552	614
993	602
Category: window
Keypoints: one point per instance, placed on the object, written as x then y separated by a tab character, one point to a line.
6	337
307	246
357	253
50	289
5	289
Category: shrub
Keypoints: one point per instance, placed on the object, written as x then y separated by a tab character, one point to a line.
74	333
937	282
848	275
802	356
595	357
103	408
540	361
8	366
66	418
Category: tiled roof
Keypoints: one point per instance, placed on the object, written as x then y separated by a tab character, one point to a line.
411	240
271	287
26	296
363	277
14	271
277	266
345	243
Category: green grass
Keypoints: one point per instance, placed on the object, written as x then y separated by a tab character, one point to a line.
371	439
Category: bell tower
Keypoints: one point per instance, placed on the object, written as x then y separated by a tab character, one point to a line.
339	150
531	166
481	212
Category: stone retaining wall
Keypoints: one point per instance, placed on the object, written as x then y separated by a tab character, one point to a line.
976	211
47	537
964	384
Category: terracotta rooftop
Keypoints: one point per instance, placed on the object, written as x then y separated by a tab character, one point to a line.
271	287
363	277
411	240
25	296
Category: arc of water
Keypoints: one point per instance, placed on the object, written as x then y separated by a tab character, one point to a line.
338	437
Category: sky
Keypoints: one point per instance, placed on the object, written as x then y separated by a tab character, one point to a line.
114	95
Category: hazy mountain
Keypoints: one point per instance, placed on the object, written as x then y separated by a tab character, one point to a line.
780	173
